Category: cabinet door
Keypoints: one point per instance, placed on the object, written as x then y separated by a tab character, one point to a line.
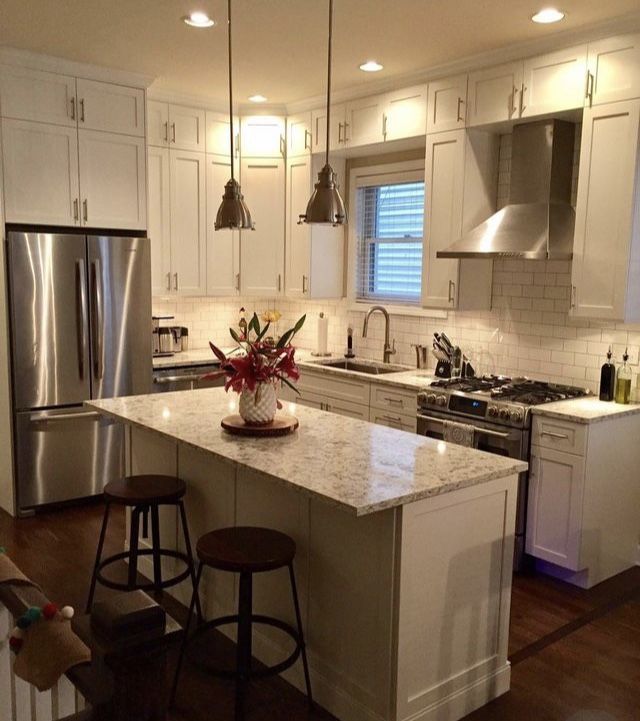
614	69
111	108
112	180
35	95
40	173
223	246
157	123
446	104
405	113
298	235
186	128
364	121
319	128
218	134
554	511
262	136
444	183
394	420
605	210
494	94
188	218
298	135
345	408
159	219
554	82
262	249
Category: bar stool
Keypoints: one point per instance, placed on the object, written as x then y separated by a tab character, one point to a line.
144	495
247	550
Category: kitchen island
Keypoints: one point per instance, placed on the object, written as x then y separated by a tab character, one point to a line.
405	547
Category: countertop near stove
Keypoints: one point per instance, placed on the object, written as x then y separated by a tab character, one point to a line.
585	410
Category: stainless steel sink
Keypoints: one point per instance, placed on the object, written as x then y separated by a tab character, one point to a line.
370	367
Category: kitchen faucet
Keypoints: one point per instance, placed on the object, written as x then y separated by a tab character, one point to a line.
388	349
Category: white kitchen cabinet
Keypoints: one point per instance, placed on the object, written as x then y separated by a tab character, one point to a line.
157	124
364	121
44	97
319	128
110	108
40	173
159	218
606	268
188	219
217	142
262	249
494	94
262	136
186	128
314	253
395	420
447	104
554	82
614	69
112	180
299	135
223	246
405	113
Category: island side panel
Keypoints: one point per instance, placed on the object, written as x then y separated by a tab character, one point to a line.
455	572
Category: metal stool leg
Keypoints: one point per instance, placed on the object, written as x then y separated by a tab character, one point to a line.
303	648
187	544
245	604
133	547
183	647
94	576
155	541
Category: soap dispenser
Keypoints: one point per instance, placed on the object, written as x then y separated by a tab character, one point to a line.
608	379
623	382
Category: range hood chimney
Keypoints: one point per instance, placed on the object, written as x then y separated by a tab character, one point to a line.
538	222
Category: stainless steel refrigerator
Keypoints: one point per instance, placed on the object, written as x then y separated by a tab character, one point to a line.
80	328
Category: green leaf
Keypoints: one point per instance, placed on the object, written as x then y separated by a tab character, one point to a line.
288	383
254	324
299	324
284	338
235	336
263	331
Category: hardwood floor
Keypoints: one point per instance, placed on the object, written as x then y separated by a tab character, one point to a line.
575	653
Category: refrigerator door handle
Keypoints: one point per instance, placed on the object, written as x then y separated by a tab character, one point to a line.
98	320
81	315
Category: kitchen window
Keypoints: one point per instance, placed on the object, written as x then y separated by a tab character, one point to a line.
388	237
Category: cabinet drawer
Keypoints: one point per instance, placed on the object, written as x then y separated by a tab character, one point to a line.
338	389
394	420
389	399
559	435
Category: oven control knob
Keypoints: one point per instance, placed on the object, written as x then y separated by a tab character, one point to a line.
431	398
441	401
504	413
516	415
493	411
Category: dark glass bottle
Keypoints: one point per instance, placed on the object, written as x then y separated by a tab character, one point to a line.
608	379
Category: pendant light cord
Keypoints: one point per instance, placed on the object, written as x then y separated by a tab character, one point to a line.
329	80
231	89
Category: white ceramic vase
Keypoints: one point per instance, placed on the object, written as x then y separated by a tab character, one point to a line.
258	407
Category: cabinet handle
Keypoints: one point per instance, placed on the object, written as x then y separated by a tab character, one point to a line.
573	296
340	133
307	144
346	137
514	107
589	90
173	132
168	281
237	144
76	209
398	401
166	131
522	105
460	117
283	147
304	283
175	281
73	108
82	110
237	281
384	125
279	282
85	210
452	291
392	419
559	436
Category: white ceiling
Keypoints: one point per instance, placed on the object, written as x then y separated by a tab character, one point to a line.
280	45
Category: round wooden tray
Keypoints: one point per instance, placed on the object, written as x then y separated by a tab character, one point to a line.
282	425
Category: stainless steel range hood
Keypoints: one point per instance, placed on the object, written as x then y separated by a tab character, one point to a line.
538	222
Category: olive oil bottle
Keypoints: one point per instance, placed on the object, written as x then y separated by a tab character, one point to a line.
623	382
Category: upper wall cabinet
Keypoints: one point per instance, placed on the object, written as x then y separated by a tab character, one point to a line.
218	139
159	218
364	121
262	136
175	126
299	137
446	104
110	108
553	82
34	95
157	124
614	70
319	128
494	94
405	113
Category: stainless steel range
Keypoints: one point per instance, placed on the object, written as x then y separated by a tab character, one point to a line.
492	413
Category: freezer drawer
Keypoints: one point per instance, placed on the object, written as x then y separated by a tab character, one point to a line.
65	454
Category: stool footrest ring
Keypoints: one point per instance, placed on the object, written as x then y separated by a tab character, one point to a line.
150	586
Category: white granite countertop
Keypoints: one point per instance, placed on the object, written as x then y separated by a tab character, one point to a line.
353	464
196	357
585	410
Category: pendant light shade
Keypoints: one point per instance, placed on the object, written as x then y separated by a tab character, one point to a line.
326	205
233	212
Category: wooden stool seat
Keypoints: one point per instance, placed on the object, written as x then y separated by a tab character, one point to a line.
145	490
246	549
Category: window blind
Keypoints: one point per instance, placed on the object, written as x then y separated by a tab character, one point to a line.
389	242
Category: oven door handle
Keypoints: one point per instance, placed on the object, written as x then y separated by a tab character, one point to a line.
486	431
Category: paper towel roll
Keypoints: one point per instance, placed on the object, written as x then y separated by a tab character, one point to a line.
323	335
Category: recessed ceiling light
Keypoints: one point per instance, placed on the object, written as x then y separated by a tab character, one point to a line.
257	99
198	20
548	15
371	66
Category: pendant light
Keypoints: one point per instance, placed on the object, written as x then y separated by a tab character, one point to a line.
325	204
233	212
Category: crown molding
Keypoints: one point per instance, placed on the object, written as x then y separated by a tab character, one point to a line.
201	101
518	51
52	64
